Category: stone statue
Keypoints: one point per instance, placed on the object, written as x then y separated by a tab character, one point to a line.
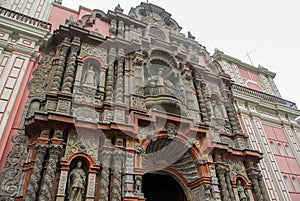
77	180
138	185
241	191
90	77
216	109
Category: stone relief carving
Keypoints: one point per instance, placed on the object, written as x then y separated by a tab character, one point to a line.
91	50
37	85
137	102
86	114
51	105
36	175
9	185
64	106
82	144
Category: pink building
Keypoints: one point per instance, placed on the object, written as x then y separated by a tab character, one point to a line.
26	29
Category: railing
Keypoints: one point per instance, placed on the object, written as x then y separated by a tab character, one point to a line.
264	96
24	18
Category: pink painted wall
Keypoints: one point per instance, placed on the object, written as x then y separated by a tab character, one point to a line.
102	26
15	116
254	86
59	15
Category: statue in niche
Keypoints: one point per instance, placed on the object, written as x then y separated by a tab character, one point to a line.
138	185
89	77
217	109
77	181
241	191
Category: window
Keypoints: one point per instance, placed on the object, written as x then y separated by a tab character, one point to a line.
274	148
288	183
296	184
288	150
281	149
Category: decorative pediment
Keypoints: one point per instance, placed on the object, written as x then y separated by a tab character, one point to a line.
154	16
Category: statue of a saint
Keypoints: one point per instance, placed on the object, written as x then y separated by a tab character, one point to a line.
158	81
89	77
77	180
241	191
216	109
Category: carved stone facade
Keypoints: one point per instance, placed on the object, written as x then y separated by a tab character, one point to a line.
107	121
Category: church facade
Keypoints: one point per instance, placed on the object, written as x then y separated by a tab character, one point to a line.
126	107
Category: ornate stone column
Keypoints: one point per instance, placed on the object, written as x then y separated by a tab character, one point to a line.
224	188
201	100
56	85
117	181
104	191
231	111
230	190
110	75
119	84
34	181
254	177
71	68
55	151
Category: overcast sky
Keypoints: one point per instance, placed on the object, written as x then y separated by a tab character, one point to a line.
268	30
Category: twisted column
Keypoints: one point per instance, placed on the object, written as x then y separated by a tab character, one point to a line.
110	75
34	181
117	182
60	68
230	190
119	84
71	68
201	101
55	151
224	188
105	177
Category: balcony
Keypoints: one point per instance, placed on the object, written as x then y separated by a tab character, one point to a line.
264	96
24	18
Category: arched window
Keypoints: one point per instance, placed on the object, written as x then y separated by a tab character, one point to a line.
296	184
274	148
281	149
288	150
288	183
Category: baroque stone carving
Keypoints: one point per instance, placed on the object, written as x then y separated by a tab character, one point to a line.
55	152
77	183
9	184
117	181
51	105
60	67
63	106
86	114
105	176
71	67
37	85
82	144
137	102
35	178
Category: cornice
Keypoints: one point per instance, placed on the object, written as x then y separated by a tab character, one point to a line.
219	55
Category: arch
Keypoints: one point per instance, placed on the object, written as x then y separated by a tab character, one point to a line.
244	180
93	65
254	86
167	180
193	150
162	55
90	162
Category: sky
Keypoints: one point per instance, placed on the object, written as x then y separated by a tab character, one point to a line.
266	30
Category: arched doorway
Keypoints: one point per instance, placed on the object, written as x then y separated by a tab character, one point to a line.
161	187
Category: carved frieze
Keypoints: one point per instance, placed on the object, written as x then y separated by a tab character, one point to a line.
64	106
86	114
82	144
